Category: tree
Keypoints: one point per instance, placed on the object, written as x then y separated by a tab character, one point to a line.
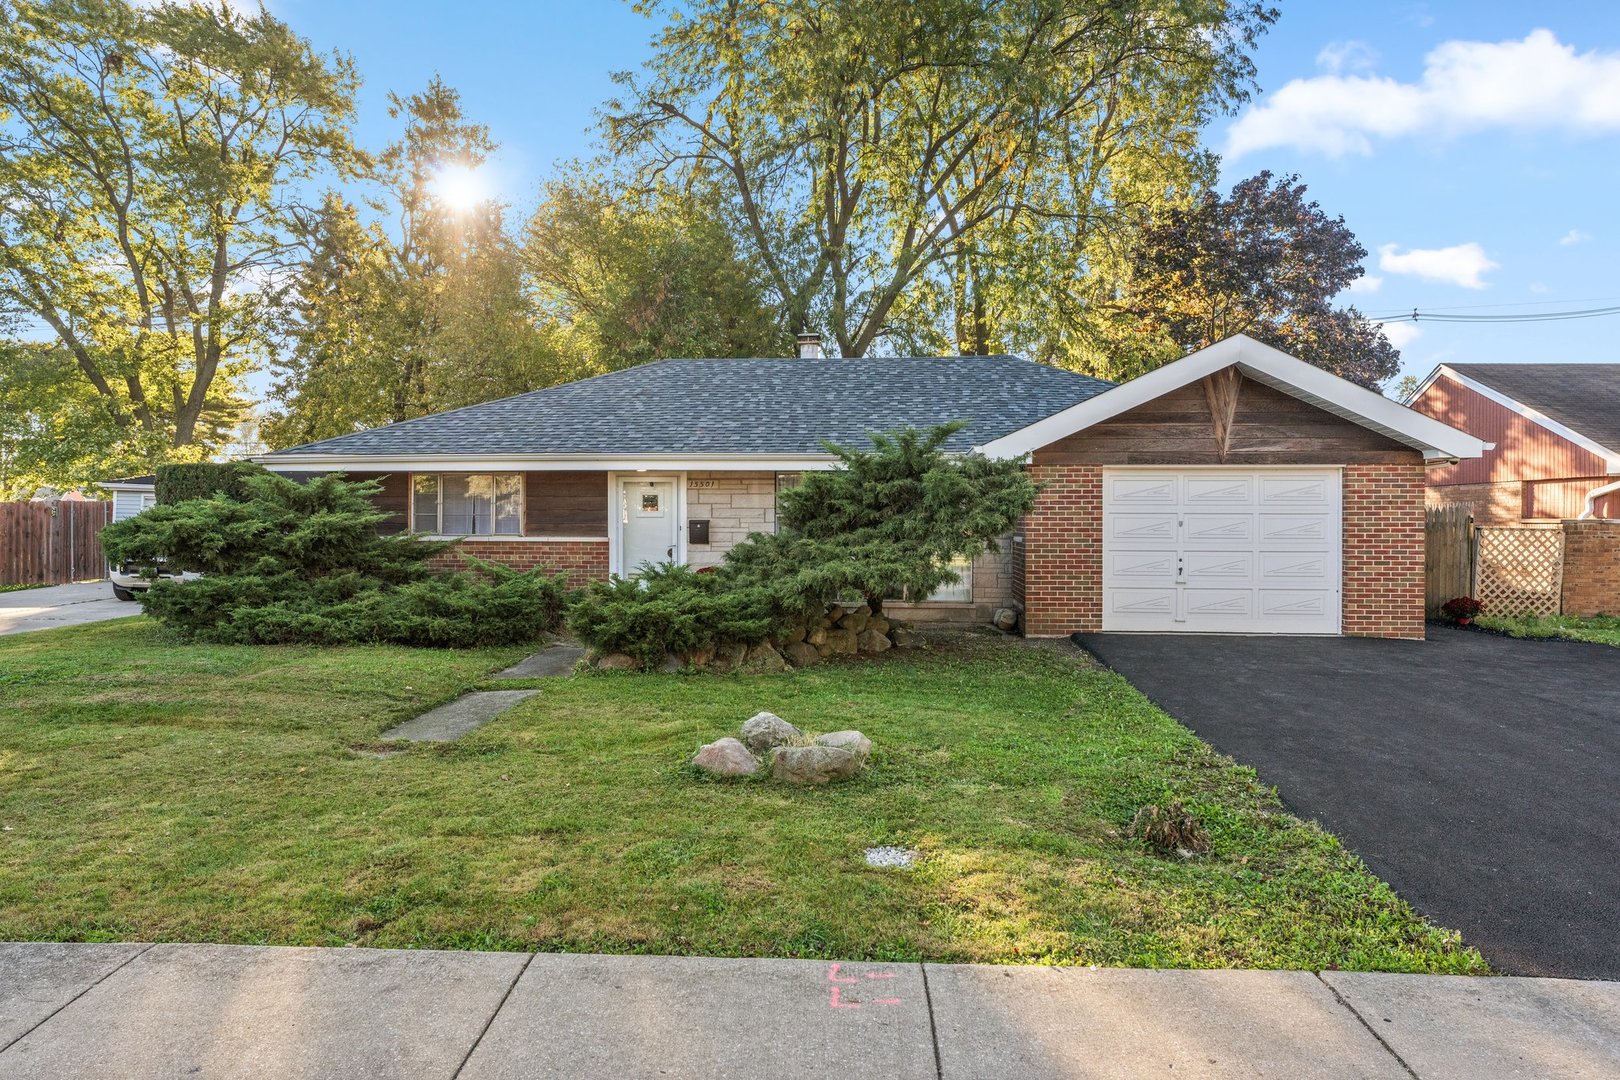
880	160
53	434
429	313
886	522
627	276
1263	262
148	162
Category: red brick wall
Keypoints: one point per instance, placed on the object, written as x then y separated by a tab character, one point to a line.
1383	550
1063	551
1591	568
583	560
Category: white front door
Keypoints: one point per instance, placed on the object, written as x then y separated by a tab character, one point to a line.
648	524
1224	551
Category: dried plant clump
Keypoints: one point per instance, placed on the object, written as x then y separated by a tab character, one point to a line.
1170	830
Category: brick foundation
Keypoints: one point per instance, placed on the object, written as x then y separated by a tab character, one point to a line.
1591	568
1063	551
1383	550
581	560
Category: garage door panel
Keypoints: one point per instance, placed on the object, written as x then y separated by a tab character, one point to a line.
1219	567
1219	490
1137	529
1142	567
1296	491
1219	529
1142	491
1222	550
1310	529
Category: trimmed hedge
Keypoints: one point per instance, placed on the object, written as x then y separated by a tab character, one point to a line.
203	480
669	609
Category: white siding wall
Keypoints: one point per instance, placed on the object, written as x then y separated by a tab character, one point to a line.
126	504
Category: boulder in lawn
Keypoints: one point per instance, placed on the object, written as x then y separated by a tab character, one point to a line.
1005	619
813	764
856	619
671	664
853	741
729	657
817	636
842	642
904	637
726	757
764	730
618	661
879	623
871	641
762	658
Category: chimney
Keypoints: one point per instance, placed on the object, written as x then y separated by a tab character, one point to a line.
809	346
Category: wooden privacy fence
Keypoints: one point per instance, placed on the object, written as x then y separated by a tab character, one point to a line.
51	543
1448	562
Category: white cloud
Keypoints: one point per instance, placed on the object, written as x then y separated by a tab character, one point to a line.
1347	56
1573	237
1537	83
1460	264
1401	334
1366	283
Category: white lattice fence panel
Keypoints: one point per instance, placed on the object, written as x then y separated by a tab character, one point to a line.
1520	571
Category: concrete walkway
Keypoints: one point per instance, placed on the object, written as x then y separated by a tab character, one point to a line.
243	1011
61	605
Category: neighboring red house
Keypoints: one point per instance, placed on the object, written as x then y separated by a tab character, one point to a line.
1556	430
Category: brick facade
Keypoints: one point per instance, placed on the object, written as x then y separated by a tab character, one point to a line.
1063	551
1383	550
1591	568
582	560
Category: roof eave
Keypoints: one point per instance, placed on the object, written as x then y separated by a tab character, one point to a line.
465	462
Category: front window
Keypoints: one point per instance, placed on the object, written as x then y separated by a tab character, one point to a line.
467	504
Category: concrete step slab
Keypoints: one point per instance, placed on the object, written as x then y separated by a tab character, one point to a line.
453	720
38	978
1029	1023
1446	1026
556	660
227	1011
611	1017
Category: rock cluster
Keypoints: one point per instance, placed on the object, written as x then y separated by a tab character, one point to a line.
838	631
793	757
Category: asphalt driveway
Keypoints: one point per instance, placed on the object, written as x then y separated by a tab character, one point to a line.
61	605
1478	775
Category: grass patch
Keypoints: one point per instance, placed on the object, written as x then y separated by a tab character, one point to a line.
1600	629
156	791
25	585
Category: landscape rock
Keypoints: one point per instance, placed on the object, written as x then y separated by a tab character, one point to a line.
813	764
853	741
795	632
726	757
841	642
801	654
879	623
903	637
1005	619
765	730
763	658
871	641
856	619
618	662
834	613
818	636
729	657
701	657
671	664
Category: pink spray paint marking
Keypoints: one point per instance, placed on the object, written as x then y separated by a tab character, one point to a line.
840	981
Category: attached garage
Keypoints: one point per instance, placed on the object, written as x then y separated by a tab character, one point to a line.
1235	491
1221	551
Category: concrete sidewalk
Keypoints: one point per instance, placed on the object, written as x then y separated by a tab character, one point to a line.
61	605
245	1011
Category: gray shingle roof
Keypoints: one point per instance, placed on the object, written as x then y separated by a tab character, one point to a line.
1584	397
761	406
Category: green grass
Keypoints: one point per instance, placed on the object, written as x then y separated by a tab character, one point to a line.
156	791
25	585
1601	629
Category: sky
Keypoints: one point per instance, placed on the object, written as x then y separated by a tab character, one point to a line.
1472	146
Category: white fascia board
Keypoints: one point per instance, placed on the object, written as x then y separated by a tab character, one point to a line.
1263	364
127	487
1610	457
546	463
1428	381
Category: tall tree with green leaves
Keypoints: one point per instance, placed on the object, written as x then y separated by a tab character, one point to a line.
627	275
1261	261
150	159
884	163
415	302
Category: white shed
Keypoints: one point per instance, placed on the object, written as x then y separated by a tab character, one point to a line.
131	495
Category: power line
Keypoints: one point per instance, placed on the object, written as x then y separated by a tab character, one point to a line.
1528	317
1518	304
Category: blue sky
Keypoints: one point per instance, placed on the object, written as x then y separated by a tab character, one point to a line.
1474	147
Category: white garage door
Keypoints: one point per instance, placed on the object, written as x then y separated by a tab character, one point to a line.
1221	551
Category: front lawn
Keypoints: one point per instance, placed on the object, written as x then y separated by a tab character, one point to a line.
1601	629
157	791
